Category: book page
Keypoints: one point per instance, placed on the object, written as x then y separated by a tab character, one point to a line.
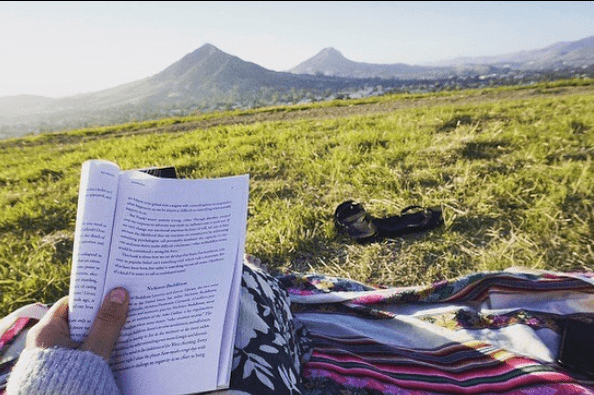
94	221
177	247
230	324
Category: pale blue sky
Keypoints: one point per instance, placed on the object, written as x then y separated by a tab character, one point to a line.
63	48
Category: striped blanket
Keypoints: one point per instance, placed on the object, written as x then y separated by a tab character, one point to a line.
486	333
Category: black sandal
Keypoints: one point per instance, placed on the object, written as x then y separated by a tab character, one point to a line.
351	217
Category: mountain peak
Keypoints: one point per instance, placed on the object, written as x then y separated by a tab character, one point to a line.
207	48
330	50
193	61
330	53
328	58
202	53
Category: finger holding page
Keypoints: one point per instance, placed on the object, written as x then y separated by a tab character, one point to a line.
52	330
108	324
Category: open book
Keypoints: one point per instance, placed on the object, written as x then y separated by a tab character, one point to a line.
177	246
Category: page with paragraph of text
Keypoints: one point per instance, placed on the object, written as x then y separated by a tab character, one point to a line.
176	248
92	237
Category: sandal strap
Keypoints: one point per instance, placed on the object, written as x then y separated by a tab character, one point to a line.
352	218
404	210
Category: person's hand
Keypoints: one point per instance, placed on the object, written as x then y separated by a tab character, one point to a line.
53	331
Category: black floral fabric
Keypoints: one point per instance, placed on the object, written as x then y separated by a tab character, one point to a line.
270	344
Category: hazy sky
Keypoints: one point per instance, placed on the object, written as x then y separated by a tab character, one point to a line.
63	48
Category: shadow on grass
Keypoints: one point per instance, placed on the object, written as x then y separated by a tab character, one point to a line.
453	123
581	154
485	149
61	244
51	220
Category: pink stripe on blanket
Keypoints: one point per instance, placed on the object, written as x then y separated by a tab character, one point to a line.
14	330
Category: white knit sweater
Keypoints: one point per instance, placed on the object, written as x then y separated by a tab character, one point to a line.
58	371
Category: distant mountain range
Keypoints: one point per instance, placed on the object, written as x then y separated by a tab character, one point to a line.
200	75
576	54
330	62
209	78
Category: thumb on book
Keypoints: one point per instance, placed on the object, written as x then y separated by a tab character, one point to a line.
108	323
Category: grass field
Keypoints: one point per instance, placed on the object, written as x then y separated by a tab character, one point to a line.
511	168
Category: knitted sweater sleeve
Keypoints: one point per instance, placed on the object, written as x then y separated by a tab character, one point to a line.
61	371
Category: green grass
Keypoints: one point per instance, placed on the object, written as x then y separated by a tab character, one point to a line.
512	169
